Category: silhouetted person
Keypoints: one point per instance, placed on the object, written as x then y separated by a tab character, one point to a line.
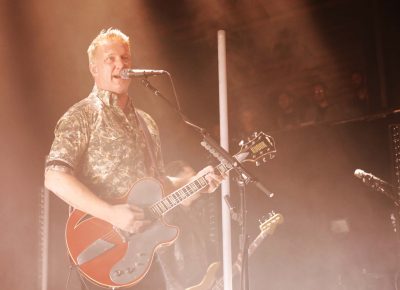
358	104
287	112
320	108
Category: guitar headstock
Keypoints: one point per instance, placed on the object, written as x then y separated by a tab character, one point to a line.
270	222
259	146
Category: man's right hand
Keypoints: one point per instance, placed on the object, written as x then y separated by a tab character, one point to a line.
126	217
129	218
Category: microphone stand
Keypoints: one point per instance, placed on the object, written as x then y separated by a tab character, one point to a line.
211	145
244	239
393	193
394	219
230	162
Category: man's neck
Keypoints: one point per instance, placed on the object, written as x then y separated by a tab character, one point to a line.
123	101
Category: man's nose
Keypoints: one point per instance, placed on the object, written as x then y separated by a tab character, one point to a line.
119	63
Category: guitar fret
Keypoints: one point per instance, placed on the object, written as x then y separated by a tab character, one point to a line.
160	208
176	198
164	204
202	181
153	211
171	204
222	168
181	195
193	186
186	191
156	210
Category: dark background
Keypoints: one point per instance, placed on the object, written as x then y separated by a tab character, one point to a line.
271	45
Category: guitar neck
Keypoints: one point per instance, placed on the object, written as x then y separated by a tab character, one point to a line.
219	284
177	197
256	148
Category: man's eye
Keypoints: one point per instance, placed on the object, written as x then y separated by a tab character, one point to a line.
110	59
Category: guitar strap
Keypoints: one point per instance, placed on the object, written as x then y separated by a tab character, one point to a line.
151	149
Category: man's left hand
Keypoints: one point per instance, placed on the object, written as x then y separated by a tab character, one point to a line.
213	179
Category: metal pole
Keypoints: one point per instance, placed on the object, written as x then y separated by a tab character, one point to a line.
44	237
223	117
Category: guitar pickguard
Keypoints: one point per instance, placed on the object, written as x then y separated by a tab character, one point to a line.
141	248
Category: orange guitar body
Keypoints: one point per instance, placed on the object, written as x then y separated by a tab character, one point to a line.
109	257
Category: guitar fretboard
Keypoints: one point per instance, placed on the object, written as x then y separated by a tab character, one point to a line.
175	198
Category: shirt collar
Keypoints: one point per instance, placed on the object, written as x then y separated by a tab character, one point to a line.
110	99
107	97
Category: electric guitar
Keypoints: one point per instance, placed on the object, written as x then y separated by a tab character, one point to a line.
110	257
209	282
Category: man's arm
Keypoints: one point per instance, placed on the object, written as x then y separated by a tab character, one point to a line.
67	187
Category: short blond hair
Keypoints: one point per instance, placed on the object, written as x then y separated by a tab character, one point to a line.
107	34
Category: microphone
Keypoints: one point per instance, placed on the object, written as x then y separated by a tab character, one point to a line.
139	73
378	184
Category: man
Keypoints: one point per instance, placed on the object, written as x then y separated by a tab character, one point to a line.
100	148
321	108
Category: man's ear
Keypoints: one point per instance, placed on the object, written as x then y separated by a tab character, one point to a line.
93	69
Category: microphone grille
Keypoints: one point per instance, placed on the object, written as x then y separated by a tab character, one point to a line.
359	173
124	74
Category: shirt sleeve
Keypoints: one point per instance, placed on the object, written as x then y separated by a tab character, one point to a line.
71	137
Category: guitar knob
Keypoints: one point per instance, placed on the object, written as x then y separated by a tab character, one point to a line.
131	269
257	163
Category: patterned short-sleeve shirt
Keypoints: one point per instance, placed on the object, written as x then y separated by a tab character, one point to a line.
104	146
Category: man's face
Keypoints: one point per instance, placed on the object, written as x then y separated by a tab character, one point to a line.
319	93
109	59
